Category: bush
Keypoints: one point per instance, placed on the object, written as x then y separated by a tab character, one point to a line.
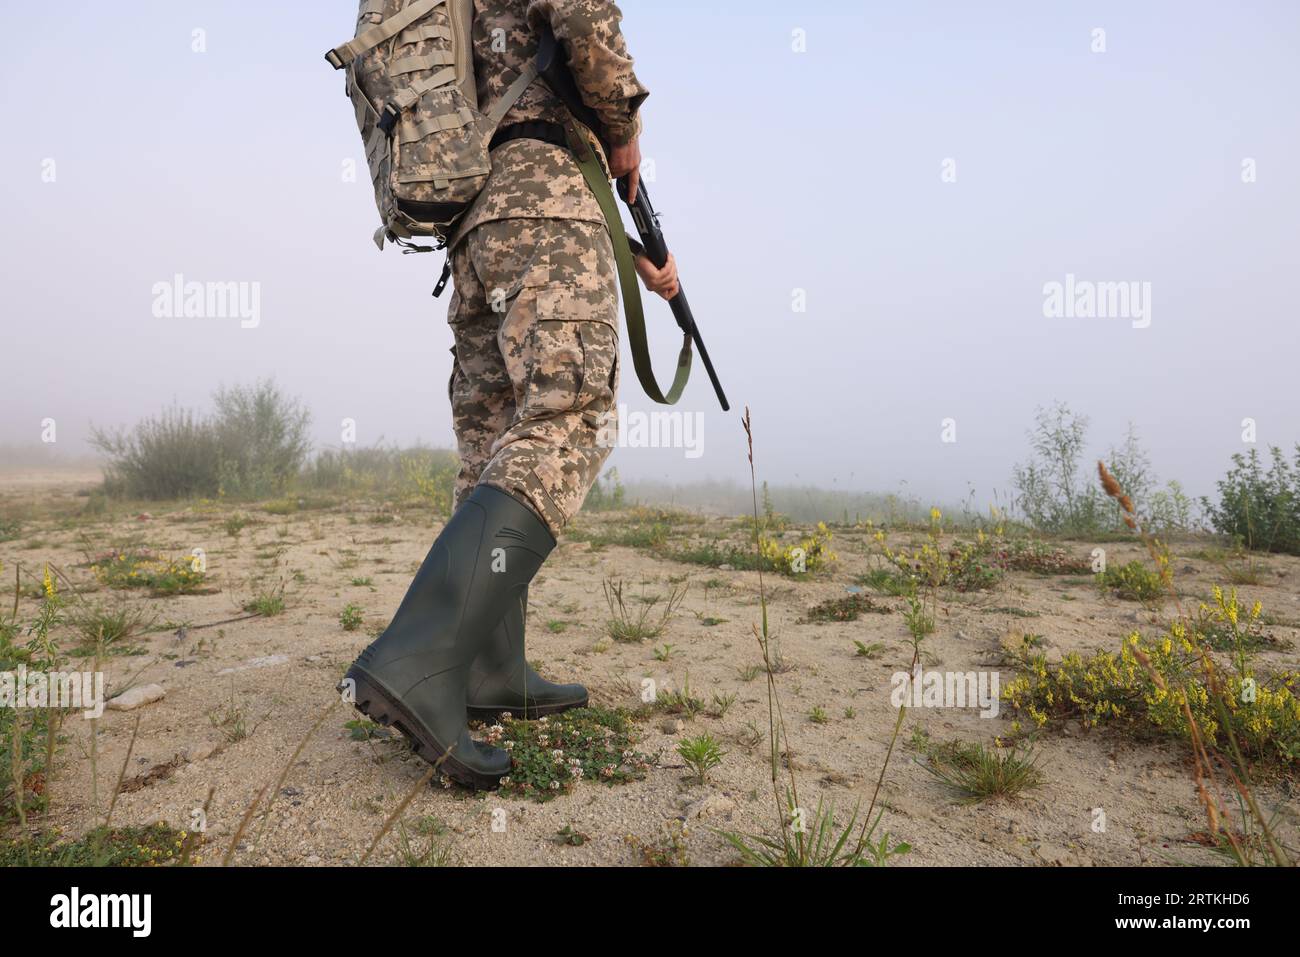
1134	582
607	494
175	455
1150	682
433	476
1056	494
262	434
1261	509
253	445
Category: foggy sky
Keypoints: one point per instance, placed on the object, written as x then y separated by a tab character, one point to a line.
776	172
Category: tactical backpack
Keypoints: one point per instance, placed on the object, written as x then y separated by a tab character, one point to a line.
410	76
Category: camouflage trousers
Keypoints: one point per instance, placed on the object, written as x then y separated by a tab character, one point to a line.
535	320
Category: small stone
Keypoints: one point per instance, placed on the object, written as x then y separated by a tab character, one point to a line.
715	805
137	698
200	752
673	726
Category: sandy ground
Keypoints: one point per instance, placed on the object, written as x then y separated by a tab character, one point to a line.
280	672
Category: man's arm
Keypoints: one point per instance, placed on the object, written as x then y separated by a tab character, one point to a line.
598	58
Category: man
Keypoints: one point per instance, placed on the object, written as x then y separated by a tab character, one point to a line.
535	321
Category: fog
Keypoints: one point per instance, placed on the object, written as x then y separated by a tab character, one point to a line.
869	203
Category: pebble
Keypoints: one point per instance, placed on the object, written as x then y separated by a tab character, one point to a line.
714	805
134	698
199	752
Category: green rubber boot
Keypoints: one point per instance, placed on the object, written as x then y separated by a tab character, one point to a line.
502	680
416	674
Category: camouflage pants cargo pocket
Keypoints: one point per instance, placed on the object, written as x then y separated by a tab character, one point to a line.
535	319
573	357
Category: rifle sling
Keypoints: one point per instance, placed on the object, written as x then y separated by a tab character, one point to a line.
594	173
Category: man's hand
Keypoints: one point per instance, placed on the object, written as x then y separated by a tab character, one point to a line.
662	282
625	160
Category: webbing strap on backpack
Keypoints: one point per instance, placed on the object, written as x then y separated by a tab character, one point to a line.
367	40
594	174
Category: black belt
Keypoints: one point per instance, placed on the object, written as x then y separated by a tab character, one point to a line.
547	132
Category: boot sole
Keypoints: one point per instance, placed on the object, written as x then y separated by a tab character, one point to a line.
533	712
383	707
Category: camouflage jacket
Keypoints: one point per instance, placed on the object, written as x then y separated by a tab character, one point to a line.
531	179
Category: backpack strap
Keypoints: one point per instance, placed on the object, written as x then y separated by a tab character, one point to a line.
367	40
512	94
594	174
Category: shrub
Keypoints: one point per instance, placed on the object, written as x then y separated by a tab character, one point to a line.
262	434
1261	509
141	568
174	455
254	445
964	566
607	494
432	474
812	553
1148	683
1055	494
1134	582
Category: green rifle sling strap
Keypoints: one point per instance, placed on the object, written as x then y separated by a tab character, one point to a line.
594	174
